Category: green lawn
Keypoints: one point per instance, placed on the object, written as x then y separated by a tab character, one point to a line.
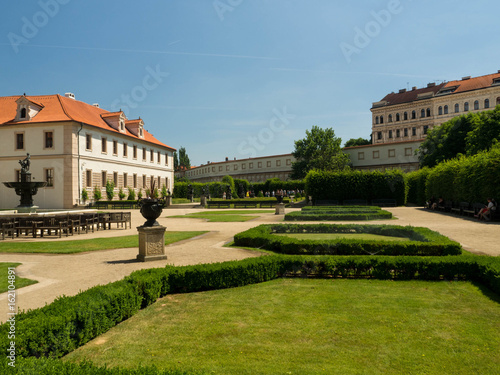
4	272
79	246
310	326
336	236
225	216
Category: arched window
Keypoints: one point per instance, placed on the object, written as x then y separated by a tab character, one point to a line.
440	110
398	117
476	105
457	108
413	115
381	119
428	112
422	113
486	103
445	109
405	116
23	113
390	118
376	120
466	106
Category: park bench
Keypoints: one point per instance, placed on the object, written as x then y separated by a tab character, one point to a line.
455	208
355	202
326	202
384	202
27	226
270	204
218	204
466	208
55	224
477	207
121	219
245	204
8	229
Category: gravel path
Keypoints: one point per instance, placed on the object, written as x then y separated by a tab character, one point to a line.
68	274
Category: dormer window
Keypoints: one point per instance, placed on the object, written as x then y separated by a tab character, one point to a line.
122	125
27	109
496	82
22	114
141	132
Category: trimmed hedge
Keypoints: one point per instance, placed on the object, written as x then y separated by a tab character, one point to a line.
423	241
69	322
416	186
323	213
353	184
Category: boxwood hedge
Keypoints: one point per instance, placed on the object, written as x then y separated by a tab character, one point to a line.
324	213
422	241
69	322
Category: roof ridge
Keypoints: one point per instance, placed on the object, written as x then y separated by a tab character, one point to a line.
63	107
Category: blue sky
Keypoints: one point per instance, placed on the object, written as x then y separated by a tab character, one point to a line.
242	78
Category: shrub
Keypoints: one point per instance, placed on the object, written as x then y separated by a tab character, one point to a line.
131	194
97	194
85	195
110	190
416	186
121	194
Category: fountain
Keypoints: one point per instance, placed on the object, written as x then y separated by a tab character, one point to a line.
26	188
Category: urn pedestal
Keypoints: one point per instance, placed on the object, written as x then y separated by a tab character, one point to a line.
151	243
280	209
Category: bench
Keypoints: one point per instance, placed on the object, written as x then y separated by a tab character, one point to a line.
455	208
270	204
121	219
218	204
326	202
245	204
384	202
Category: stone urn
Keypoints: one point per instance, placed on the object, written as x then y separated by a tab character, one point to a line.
151	209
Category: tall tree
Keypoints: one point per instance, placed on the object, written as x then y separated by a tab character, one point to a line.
184	159
176	161
320	149
485	133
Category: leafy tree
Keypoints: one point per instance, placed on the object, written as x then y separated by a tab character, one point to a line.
357	142
97	194
176	161
184	159
110	190
485	133
319	150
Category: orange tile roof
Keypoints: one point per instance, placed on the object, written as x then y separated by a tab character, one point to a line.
410	96
57	108
473	83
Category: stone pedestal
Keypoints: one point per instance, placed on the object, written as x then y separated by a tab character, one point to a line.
280	209
203	201
151	243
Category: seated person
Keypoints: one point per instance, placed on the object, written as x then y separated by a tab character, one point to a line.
485	212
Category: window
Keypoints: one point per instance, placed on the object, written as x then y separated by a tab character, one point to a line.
104	145
390	118
220	168
381	119
361	156
392	153
125	180
115	147
476	105
88	141
235	167
288	162
88	178
159	182
259	165
227	167
498	100
49	139
445	109
49	177
166	159
408	151
426	129
134	152
278	163
398	133
19	141
486	103
405	116
428	112
122	125
104	178
414	131
144	180
398	117
379	135
243	166
125	150
390	133
269	164
213	169
23	113
440	110
115	178
406	132
159	157
152	155
134	181
413	115
457	108
466	106
376	154
250	165
377	120
422	113
144	153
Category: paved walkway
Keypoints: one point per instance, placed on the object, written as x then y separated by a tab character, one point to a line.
68	274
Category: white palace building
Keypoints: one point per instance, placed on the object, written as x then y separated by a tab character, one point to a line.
74	146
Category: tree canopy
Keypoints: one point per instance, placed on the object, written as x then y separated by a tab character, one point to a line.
320	149
184	159
357	142
466	134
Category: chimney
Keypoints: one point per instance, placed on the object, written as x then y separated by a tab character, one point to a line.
413	88
227	159
432	84
95	105
69	95
402	91
465	78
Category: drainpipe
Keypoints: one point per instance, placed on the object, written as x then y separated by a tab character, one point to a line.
79	172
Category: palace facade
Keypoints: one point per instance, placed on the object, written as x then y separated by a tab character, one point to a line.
74	146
